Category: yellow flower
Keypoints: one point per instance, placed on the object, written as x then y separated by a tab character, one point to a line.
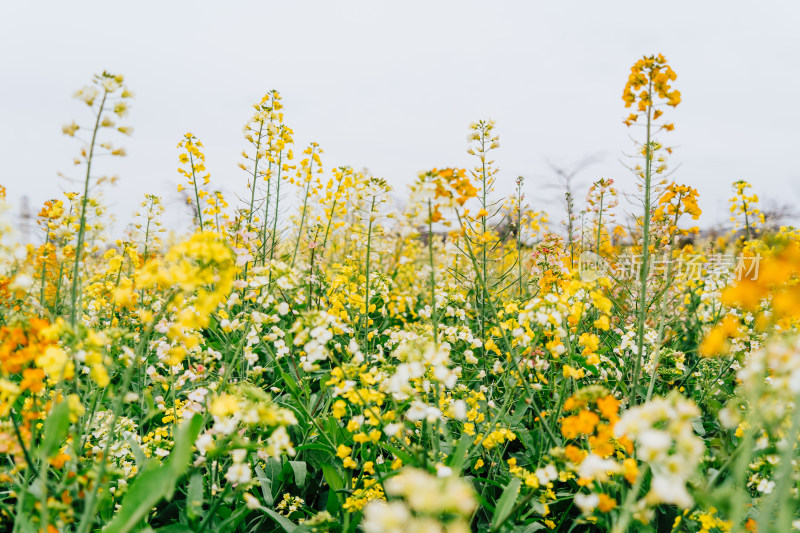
714	343
339	408
100	376
570	372
491	346
224	405
590	342
343	451
55	362
76	408
602	303
602	323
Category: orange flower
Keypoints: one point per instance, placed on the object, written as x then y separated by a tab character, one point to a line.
59	460
606	503
651	77
574	454
581	424
609	408
630	470
32	380
601	443
715	342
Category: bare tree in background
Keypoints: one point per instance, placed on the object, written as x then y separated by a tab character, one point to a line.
26	220
777	214
565	180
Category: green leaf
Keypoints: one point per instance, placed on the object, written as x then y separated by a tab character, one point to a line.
176	528
506	503
459	455
315	446
55	429
24	524
407	458
535	526
156	482
138	453
697	425
282	521
236	517
300	470
266	485
150	486
527	440
291	385
335	481
194	496
273	468
519	412
184	441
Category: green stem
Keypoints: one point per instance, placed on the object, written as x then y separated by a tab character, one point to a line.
196	193
369	251
600	223
73	312
44	269
305	204
255	174
434	317
277	202
645	268
88	516
627	510
519	234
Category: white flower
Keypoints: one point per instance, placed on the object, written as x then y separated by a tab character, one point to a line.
238	473
251	501
546	474
595	467
198	395
652	444
443	471
87	94
278	444
204	443
669	489
459	409
283	308
586	502
419	411
392	430
765	486
110	84
382	517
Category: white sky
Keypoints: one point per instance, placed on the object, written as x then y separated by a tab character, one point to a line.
394	86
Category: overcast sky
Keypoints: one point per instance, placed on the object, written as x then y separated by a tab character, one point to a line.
394	86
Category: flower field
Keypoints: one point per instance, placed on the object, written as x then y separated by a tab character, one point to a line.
311	357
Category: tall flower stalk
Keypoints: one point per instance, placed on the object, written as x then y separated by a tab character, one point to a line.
107	91
374	194
305	176
196	161
649	80
440	190
281	156
742	204
484	140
